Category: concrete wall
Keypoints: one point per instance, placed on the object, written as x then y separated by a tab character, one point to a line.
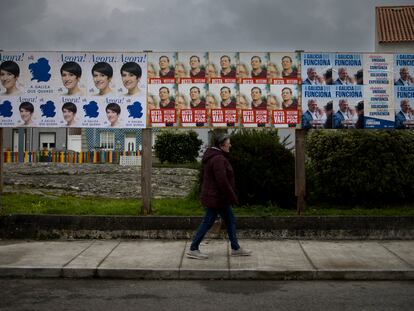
394	47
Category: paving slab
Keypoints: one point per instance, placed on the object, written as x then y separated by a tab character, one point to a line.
85	265
144	260
402	249
215	267
354	260
38	259
271	260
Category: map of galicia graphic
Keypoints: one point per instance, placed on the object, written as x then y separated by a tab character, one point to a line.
48	109
91	109
135	110
6	109
40	70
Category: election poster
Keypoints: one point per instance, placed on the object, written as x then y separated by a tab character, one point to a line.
316	101
19	111
283	68
379	110
131	78
73	71
378	69
191	67
252	68
254	106
347	69
71	110
12	73
161	105
222	102
41	73
9	111
404	107
347	107
316	68
283	104
161	67
191	104
404	69
221	67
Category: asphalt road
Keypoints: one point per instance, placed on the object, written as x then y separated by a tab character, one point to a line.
102	295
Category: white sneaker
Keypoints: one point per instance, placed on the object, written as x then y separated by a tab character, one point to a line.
196	255
241	252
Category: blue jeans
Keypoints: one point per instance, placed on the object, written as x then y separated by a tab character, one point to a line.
209	218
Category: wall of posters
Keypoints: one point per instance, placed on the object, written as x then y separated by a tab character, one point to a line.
206	89
73	89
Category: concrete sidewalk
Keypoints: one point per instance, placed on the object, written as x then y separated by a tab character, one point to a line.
157	259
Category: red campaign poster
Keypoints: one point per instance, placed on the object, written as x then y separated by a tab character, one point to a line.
284	118
278	81
217	116
227	116
254	116
191	116
230	116
254	80
200	116
292	117
163	116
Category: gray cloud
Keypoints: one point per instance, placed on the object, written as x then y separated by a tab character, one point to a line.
199	25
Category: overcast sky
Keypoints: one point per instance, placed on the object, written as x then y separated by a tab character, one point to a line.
189	25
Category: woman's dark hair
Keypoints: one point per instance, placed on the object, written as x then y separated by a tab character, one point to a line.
104	68
70	106
10	66
133	68
114	107
73	68
26	106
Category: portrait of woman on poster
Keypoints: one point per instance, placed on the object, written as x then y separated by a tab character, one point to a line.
151	72
273	103
211	71
242	72
242	101
9	74
272	72
26	110
131	74
181	102
113	110
102	74
69	113
211	101
180	71
71	73
151	102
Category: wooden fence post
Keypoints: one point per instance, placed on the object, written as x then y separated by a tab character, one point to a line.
300	176
146	169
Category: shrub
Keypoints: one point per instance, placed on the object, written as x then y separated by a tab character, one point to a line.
264	168
360	166
175	146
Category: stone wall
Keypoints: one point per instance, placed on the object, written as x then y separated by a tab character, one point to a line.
104	180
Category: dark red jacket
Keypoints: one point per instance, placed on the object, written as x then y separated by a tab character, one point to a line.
218	188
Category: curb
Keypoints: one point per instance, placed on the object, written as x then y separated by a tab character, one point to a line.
169	227
227	274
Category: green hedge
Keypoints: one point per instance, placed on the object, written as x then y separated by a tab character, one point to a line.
177	146
360	166
264	168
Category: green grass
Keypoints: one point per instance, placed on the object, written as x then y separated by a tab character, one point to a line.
66	205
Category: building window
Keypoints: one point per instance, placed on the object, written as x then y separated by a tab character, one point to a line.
47	140
107	140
